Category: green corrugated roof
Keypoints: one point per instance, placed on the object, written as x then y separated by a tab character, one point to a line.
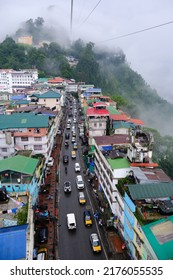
163	250
20	164
121	124
23	120
42	80
18	102
157	190
93	100
50	94
118	163
112	110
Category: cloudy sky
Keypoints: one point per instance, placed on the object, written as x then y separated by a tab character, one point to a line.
149	53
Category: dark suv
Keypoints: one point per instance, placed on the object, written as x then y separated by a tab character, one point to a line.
65	159
67	135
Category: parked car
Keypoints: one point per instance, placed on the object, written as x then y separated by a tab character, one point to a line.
65	159
42	234
67	187
50	161
82	199
42	215
77	167
73	140
95	243
87	218
42	254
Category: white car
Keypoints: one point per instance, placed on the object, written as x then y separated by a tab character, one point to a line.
79	182
77	167
50	161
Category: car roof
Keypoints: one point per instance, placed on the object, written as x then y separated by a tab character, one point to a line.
94	236
87	212
81	194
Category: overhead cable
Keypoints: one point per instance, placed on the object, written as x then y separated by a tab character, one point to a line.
91	12
136	32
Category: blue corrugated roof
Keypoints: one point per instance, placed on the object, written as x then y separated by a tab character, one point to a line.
13	242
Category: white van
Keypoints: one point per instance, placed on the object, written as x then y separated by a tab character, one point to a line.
71	221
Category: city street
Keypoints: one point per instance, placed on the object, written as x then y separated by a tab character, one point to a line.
74	245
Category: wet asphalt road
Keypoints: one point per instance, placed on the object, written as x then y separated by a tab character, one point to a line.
74	245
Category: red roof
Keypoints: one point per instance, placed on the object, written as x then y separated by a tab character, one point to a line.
56	80
119	117
97	112
141	164
136	121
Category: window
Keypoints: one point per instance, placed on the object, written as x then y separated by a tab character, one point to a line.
95	124
37	138
23	139
37	147
100	124
4	150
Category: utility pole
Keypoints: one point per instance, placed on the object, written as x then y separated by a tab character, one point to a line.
71	21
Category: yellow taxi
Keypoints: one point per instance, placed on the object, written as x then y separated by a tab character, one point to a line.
87	218
82	199
95	243
73	154
75	146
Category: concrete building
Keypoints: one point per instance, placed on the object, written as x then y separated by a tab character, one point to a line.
18	188
25	40
26	131
12	81
96	121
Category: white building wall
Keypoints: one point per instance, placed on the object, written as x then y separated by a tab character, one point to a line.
10	79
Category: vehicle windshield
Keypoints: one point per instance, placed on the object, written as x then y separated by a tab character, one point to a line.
87	217
96	243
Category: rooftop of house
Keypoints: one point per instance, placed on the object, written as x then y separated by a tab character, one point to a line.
97	112
153	201
122	124
119	117
92	90
21	164
56	80
160	236
99	104
24	120
116	139
136	121
118	163
49	94
22	102
150	175
112	110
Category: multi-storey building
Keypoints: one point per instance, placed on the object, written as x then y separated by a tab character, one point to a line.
12	81
97	117
26	131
